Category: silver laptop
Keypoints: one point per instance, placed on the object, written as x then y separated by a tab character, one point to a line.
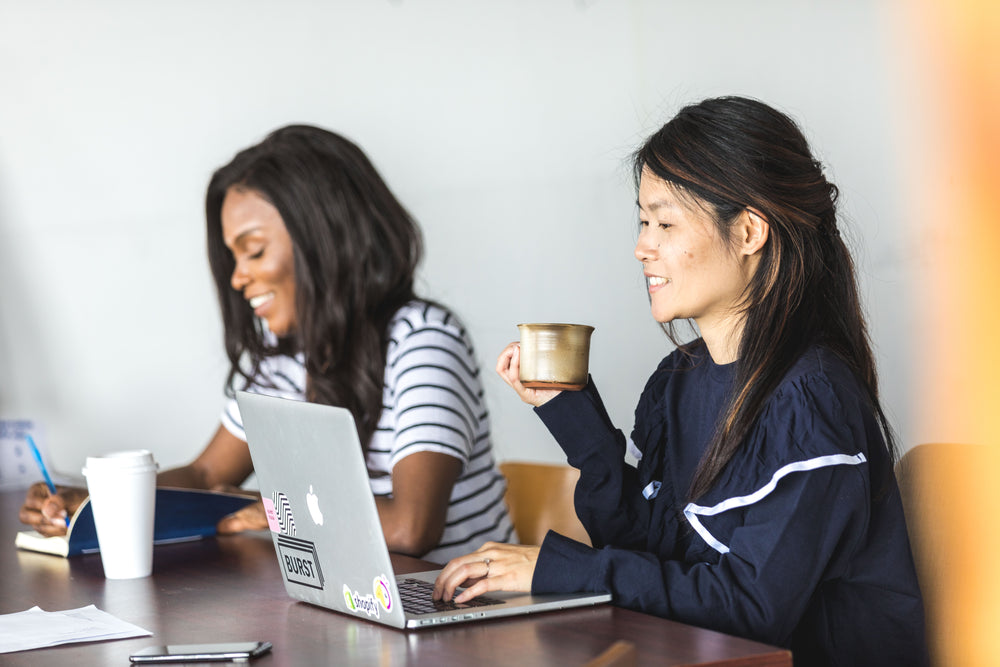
326	530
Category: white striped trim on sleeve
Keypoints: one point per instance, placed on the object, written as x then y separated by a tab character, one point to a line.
693	511
281	376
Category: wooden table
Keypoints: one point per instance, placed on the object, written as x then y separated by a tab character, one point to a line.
230	589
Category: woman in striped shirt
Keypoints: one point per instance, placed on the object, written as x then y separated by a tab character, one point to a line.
313	260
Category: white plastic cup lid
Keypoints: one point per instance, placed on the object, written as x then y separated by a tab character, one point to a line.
138	460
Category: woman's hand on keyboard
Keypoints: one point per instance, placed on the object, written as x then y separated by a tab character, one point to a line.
492	567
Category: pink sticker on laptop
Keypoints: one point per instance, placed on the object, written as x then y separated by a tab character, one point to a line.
272	516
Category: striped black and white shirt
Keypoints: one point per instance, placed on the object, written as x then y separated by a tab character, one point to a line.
432	401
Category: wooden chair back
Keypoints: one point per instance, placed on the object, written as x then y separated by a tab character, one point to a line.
951	497
540	498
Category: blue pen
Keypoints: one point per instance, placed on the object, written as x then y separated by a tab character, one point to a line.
41	465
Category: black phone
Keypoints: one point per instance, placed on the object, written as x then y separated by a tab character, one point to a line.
229	652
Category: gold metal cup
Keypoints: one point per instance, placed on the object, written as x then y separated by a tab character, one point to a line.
555	356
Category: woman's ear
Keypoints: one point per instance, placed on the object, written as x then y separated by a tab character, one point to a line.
752	231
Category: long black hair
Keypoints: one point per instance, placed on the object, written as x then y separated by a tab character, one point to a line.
355	251
729	154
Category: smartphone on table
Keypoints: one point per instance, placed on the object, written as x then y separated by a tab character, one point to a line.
228	652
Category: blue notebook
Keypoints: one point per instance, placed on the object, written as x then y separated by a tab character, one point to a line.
181	514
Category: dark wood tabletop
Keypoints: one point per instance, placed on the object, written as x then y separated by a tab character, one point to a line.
230	589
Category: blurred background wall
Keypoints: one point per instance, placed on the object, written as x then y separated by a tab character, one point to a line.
505	127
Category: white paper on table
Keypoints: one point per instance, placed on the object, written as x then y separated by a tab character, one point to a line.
36	628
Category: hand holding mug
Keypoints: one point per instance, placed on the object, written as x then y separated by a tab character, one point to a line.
509	368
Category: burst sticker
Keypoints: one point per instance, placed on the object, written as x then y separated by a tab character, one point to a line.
299	561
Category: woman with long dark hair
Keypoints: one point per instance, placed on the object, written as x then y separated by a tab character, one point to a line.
314	260
763	503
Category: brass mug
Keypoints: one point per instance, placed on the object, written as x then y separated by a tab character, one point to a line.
555	356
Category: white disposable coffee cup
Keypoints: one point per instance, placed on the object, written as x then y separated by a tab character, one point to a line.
122	488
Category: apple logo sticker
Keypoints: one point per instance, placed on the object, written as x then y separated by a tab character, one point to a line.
312	502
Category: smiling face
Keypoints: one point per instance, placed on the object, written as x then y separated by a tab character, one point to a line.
255	234
691	270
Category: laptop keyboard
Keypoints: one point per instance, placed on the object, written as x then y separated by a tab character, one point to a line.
416	596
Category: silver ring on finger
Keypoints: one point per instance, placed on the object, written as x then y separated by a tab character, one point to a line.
487	562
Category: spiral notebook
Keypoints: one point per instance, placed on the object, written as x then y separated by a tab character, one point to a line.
181	515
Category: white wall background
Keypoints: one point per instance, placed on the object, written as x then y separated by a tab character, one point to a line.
505	127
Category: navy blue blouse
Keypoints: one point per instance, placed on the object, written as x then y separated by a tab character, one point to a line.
800	543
